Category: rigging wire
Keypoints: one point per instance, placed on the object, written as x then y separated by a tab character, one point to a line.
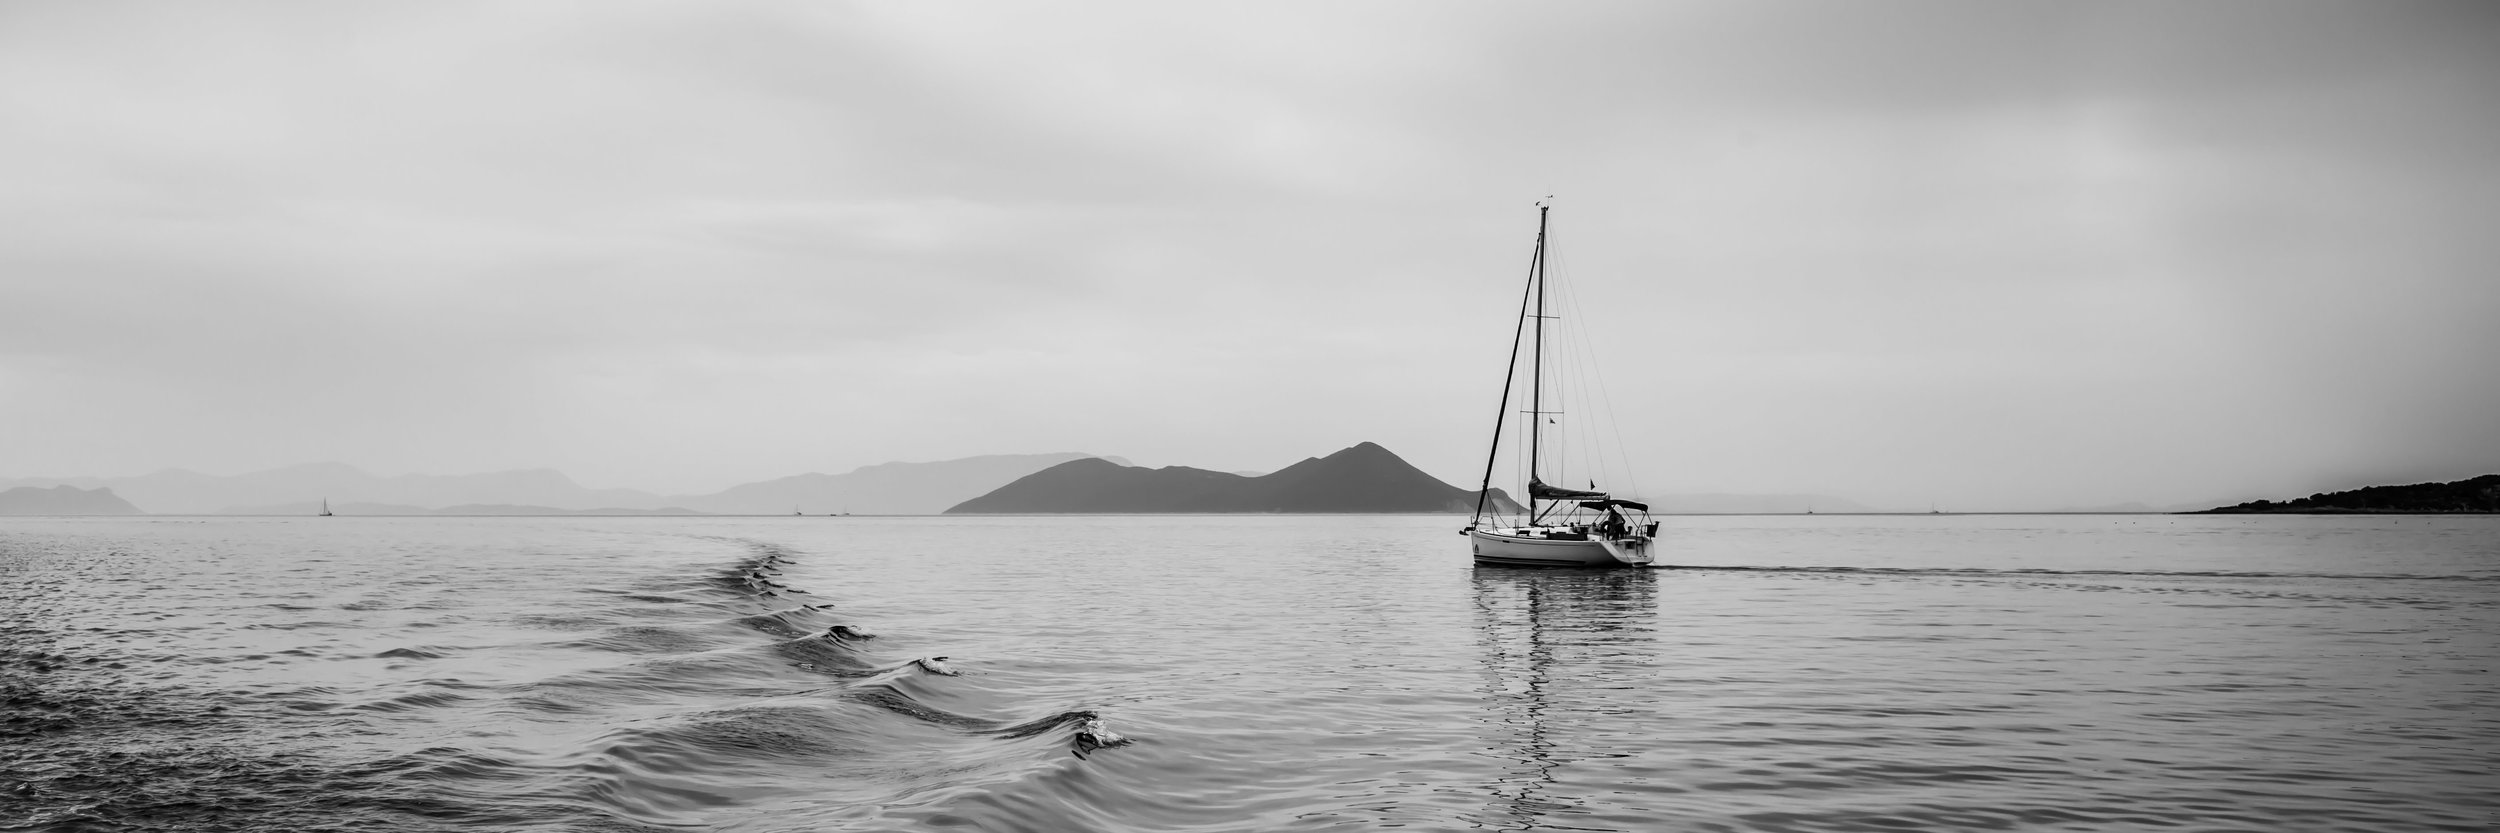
1596	398
1577	387
1575	347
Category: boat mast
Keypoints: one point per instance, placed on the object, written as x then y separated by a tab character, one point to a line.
1536	373
1510	371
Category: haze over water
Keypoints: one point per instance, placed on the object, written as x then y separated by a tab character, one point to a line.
1267	672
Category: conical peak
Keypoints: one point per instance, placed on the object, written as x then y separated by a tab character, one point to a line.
1362	449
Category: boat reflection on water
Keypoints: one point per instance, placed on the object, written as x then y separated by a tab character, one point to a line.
1558	648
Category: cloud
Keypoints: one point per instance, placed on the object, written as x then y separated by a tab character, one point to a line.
2001	253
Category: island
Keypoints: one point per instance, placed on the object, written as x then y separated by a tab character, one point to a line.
1365	478
64	500
2478	494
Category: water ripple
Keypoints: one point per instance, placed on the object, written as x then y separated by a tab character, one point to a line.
1220	674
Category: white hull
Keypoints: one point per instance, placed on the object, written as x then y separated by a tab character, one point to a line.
1502	549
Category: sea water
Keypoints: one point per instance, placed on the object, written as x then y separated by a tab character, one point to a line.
1244	673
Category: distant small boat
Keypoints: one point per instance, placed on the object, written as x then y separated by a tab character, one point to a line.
1572	527
325	507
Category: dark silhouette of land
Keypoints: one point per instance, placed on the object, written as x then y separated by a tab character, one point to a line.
2479	494
64	500
1364	478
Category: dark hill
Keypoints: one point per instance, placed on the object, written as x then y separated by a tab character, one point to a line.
2480	494
1365	478
64	500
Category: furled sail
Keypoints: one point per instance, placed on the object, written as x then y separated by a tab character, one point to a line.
1537	489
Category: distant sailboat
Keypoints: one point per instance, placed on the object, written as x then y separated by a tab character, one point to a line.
325	507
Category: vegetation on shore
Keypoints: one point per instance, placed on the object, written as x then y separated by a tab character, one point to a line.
2479	494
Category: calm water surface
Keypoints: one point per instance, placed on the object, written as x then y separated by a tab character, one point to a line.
1246	673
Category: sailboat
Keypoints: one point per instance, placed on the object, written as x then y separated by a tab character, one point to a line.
1561	527
325	507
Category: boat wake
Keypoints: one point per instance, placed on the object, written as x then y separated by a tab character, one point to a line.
727	698
2413	590
786	683
1936	571
775	682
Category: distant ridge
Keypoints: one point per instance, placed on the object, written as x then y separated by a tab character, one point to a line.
64	500
469	509
882	489
510	509
179	492
1363	478
1726	504
2478	494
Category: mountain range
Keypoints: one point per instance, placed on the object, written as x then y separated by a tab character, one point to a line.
901	488
1363	478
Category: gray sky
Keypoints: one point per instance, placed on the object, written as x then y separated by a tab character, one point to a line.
1997	255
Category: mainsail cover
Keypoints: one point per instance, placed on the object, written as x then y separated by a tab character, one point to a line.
1602	505
1537	489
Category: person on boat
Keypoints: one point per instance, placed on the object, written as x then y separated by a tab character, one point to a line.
1614	525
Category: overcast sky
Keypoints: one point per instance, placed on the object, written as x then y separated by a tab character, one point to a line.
1995	255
